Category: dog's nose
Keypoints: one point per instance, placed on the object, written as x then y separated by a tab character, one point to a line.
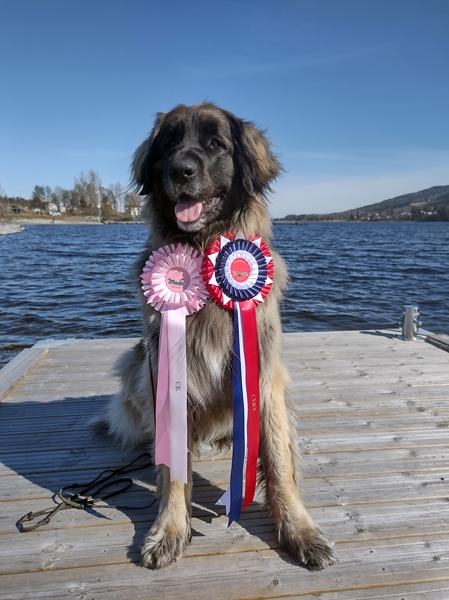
183	169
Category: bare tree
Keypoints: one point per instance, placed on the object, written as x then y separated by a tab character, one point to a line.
61	198
116	195
85	190
47	194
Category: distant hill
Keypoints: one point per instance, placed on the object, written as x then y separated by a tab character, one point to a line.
427	205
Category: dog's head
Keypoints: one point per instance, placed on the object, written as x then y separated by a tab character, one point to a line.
201	163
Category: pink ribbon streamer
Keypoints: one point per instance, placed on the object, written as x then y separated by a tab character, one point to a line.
171	398
172	283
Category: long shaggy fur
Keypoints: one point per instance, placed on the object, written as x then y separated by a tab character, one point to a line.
203	156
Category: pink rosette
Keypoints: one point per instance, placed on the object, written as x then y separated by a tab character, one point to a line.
173	284
172	279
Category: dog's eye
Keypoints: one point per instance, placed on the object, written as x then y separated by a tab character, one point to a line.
214	143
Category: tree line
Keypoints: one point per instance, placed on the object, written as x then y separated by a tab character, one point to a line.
421	212
438	212
87	196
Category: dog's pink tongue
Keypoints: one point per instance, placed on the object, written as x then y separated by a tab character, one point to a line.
188	210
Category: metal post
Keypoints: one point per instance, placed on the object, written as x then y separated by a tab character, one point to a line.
410	322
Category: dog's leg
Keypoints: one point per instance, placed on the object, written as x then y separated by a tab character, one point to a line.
298	534
171	531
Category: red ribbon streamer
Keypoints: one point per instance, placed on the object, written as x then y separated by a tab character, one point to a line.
251	350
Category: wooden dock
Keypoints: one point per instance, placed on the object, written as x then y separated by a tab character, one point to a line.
374	431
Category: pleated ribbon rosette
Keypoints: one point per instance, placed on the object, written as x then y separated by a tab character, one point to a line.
239	274
173	284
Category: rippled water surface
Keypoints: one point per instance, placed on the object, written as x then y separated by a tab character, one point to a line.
73	280
357	275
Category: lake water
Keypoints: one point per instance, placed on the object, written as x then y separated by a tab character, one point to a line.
73	280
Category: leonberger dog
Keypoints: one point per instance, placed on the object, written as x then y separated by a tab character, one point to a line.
205	172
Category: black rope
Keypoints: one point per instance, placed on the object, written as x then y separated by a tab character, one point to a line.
89	494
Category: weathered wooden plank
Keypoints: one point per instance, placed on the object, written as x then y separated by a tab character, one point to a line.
45	460
339	384
29	415
354	522
95	357
30	398
362	394
262	574
375	424
365	462
402	439
119	543
356	349
29	442
216	473
434	590
12	373
439	341
89	344
313	404
370	462
358	424
325	491
304	394
309	444
353	356
359	376
347	361
105	386
69	378
67	369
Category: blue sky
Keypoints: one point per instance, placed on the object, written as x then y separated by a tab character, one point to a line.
354	93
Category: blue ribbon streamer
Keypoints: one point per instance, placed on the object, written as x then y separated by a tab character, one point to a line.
234	500
238	453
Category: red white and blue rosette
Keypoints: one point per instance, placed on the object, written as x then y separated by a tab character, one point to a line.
239	274
173	284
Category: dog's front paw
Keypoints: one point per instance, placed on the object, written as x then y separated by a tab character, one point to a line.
164	546
309	547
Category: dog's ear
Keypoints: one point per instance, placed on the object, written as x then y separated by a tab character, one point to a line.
144	158
257	165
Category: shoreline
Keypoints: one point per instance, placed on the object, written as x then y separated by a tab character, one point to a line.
87	220
14	225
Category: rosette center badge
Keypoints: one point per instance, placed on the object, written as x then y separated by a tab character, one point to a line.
238	270
177	279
